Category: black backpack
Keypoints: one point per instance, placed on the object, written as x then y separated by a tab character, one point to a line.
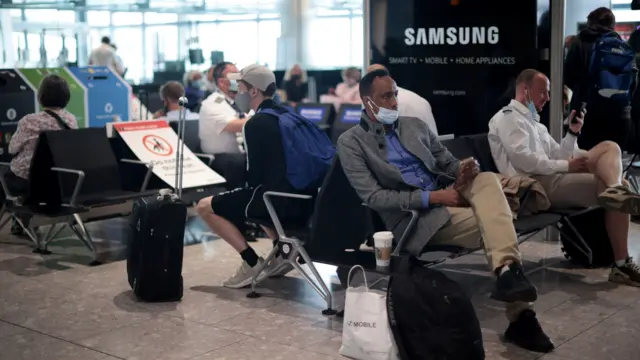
589	226
431	318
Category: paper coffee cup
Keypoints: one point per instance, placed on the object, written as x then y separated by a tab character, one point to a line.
383	242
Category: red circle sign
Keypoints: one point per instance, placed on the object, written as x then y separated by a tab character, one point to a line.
157	145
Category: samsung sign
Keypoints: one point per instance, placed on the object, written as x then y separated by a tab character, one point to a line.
452	35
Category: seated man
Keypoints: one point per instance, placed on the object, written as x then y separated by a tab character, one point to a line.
222	118
520	145
170	93
228	211
396	163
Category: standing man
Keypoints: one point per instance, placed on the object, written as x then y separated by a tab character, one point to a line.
396	163
411	104
520	145
221	122
609	116
105	55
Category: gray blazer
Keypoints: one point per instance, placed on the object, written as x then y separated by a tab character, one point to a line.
363	154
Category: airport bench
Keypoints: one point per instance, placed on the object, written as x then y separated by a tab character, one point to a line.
340	224
74	179
478	147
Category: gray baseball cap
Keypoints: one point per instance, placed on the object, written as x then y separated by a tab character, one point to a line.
255	75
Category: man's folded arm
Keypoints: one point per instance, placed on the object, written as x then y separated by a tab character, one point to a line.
368	188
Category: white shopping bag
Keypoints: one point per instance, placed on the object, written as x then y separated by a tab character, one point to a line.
366	334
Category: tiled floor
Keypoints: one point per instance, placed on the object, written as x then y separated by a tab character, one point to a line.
54	307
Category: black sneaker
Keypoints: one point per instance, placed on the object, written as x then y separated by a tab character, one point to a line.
16	229
527	333
512	286
627	274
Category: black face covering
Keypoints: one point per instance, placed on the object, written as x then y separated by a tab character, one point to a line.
296	77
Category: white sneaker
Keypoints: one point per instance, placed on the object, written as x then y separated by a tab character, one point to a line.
244	275
279	267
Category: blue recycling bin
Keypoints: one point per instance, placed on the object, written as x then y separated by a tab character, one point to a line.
109	96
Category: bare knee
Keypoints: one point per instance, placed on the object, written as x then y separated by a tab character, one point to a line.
610	146
204	206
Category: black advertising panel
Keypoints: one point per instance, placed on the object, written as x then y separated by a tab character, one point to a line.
18	100
458	54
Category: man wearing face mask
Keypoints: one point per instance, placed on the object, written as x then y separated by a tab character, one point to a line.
571	177
221	120
396	163
267	171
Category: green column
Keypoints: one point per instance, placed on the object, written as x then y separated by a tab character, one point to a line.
78	102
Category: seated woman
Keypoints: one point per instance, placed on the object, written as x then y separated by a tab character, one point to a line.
346	92
295	84
53	97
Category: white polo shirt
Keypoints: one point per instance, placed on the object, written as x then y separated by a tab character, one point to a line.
174	115
520	145
413	105
215	113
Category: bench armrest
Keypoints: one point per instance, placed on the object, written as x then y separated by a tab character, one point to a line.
272	211
209	158
3	182
147	176
79	181
407	231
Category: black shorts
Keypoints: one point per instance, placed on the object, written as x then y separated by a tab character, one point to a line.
242	204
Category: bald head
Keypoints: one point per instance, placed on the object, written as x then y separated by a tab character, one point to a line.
375	67
532	86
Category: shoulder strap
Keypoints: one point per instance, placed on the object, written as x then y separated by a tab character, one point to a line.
58	119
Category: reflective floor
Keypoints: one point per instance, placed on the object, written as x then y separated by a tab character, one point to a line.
55	307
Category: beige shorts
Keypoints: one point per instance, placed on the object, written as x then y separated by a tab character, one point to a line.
570	190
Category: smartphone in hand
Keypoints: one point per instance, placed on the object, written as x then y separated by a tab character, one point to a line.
583	106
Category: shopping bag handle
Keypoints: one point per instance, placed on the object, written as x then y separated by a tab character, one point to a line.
364	276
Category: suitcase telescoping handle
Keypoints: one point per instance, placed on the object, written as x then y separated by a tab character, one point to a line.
180	148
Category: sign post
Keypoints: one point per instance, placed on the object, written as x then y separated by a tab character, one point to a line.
155	142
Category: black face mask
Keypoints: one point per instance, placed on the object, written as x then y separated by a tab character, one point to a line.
296	77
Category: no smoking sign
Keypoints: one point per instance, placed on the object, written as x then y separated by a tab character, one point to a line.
157	145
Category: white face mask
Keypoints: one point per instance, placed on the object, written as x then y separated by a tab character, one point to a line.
384	115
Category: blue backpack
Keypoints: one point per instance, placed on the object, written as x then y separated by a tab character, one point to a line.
611	68
308	151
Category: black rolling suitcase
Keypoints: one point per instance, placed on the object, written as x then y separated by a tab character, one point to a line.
156	239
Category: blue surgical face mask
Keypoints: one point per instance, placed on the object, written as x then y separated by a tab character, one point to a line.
531	106
233	85
384	115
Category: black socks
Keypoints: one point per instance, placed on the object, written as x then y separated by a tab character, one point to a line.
249	256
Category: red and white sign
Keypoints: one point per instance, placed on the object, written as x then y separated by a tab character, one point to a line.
155	142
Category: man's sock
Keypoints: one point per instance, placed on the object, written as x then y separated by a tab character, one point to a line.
249	256
621	263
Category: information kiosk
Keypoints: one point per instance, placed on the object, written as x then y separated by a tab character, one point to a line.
348	117
321	114
18	100
78	102
109	96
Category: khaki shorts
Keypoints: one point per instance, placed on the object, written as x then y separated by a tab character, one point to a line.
567	191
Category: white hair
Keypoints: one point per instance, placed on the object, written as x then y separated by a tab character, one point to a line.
303	78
